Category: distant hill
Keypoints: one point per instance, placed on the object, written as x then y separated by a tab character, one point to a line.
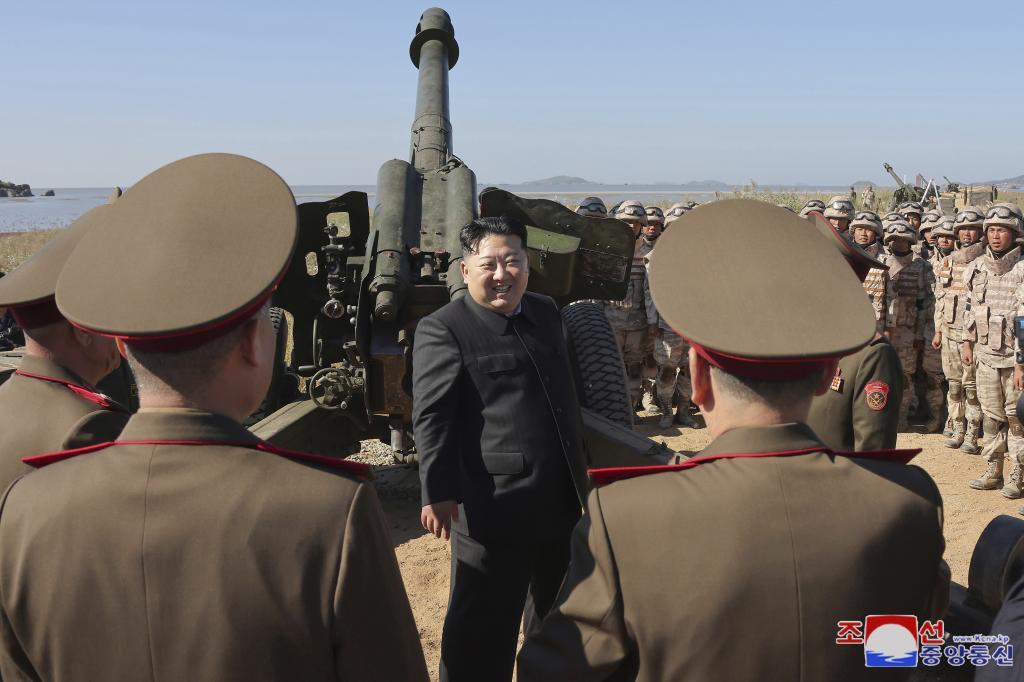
1009	182
559	181
564	182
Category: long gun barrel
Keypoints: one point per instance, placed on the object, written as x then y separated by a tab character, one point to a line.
898	179
433	51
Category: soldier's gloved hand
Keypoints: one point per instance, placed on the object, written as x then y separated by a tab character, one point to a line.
937	340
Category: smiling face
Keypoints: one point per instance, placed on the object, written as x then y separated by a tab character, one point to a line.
497	272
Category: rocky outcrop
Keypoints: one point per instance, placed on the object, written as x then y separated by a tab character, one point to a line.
49	193
9	189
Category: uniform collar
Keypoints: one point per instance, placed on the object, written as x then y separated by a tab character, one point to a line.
34	364
1003	264
761	439
184	424
497	322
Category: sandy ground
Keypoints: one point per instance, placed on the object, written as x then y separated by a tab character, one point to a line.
424	560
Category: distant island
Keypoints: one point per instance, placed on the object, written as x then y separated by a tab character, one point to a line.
10	189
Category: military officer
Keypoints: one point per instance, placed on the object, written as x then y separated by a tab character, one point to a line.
628	317
51	402
189	549
839	211
810	535
860	411
866	230
951	304
592	207
812	205
992	281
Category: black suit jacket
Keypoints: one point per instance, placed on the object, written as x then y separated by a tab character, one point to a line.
497	421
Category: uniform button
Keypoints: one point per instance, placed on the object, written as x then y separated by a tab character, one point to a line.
547	379
558	410
566	442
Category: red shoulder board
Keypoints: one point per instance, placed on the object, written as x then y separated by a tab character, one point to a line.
356	469
602	477
92	396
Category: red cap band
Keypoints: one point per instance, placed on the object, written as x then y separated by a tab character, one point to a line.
773	369
38	314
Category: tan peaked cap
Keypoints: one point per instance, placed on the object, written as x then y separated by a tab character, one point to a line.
35	280
763	286
186	251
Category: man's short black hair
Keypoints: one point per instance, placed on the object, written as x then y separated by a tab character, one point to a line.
472	234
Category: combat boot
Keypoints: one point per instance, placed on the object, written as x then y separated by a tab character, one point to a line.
949	428
956	436
1012	489
666	420
970	445
991	479
684	418
651	404
933	424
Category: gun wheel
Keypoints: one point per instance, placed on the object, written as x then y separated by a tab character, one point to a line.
596	363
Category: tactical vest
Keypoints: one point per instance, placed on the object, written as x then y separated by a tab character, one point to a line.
907	284
630	313
875	287
951	302
992	284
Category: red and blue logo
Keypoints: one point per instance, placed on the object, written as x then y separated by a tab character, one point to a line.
890	641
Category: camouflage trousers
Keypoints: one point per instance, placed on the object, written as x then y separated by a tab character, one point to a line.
902	341
933	378
962	397
998	399
635	346
671	354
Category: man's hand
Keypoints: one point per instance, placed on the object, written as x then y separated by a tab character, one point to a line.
1018	377
967	353
937	340
437	517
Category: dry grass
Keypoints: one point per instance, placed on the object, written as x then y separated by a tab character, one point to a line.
16	248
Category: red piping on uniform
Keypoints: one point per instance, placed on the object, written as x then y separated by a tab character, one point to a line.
769	369
89	395
357	469
601	477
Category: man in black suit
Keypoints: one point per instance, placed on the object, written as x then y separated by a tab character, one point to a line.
500	441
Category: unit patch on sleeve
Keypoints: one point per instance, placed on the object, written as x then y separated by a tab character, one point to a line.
877	395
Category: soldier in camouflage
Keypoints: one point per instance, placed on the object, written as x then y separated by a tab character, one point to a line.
993	282
929	358
839	211
950	308
648	386
925	239
628	317
866	230
592	207
910	305
912	212
869	200
674	212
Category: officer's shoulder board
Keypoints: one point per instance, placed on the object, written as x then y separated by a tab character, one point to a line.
603	477
103	401
355	469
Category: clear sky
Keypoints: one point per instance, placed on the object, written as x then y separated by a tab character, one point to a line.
100	93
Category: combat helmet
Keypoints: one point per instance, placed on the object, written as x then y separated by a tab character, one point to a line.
899	229
908	207
1005	214
655	215
945	226
675	211
839	207
890	218
812	205
970	216
631	210
868	219
592	207
929	221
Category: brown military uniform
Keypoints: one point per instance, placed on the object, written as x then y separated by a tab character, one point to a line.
860	411
148	597
876	285
911	314
754	564
44	408
628	319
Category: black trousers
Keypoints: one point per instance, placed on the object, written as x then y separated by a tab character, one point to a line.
490	588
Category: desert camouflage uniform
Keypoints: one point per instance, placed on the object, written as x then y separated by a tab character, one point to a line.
671	353
628	319
950	310
993	285
911	315
876	284
931	358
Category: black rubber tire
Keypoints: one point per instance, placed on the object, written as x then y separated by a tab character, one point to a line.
597	364
276	393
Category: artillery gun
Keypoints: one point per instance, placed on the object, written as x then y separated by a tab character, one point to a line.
357	288
904	191
959	195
